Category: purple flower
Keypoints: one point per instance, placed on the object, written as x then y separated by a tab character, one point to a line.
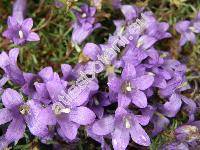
67	72
190	107
121	127
174	67
98	138
18	32
172	107
35	84
81	32
85	24
134	55
19	113
138	50
154	60
187	29
159	121
130	12
86	14
159	30
177	82
154	28
92	50
119	26
145	42
127	28
71	74
68	117
57	89
160	78
100	53
153	64
8	62
183	28
130	87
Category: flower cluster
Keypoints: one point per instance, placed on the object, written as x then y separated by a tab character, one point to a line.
144	84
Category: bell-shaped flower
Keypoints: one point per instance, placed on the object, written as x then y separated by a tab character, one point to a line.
130	87
20	32
121	127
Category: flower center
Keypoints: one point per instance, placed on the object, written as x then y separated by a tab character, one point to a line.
33	80
139	43
184	84
126	87
151	74
110	70
24	109
163	55
59	108
21	34
193	29
127	123
83	15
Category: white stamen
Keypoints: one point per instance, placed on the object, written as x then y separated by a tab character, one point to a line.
151	74
139	43
58	108
24	109
83	15
21	34
163	55
193	29
121	30
128	88
127	124
66	110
